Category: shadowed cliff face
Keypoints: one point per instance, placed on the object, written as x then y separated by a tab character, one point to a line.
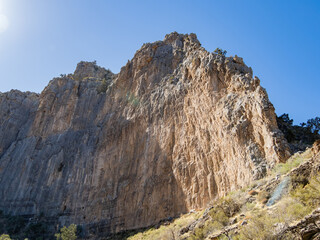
176	128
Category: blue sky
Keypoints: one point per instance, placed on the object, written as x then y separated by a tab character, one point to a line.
280	40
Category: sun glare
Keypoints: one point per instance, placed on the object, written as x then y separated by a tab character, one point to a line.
4	23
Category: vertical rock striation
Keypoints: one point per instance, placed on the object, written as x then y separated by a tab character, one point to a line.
176	128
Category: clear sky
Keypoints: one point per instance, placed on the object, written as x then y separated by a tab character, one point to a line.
279	39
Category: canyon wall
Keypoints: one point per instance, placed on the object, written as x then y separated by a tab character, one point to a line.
176	128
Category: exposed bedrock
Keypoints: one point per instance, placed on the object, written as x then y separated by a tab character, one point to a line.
176	128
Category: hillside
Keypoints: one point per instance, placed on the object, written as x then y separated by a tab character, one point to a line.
283	205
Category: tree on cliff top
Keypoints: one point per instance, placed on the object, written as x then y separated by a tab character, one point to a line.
313	124
220	52
299	137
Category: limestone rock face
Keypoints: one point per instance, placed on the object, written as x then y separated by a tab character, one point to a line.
175	129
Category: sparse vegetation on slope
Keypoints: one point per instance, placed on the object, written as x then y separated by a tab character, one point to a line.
293	162
169	230
245	214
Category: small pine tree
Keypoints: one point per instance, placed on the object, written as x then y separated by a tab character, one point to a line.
67	233
220	52
286	119
314	124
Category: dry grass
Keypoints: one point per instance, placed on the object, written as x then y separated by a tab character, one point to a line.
292	162
262	222
171	231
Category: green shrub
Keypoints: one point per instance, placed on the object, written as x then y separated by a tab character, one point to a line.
197	234
67	233
102	88
220	217
310	193
229	205
289	210
211	226
248	207
259	227
220	214
299	180
132	99
5	237
283	168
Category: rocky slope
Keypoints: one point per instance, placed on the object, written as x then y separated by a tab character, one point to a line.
176	128
283	205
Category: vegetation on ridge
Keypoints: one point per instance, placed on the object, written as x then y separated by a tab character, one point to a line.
220	52
300	136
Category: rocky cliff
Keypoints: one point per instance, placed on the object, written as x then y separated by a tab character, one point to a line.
176	128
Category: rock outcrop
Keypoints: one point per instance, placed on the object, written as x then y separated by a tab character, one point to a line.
306	228
177	127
